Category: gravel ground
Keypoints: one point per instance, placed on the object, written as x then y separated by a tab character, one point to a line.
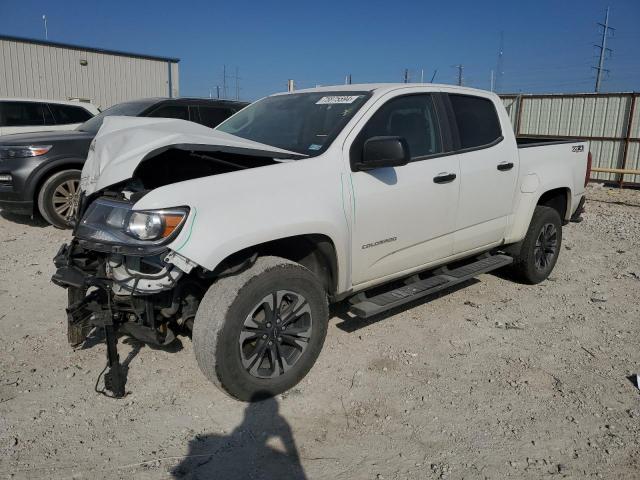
494	380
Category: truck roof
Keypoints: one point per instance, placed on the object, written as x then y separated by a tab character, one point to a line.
384	87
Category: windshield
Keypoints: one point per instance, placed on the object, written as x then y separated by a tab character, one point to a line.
300	122
128	109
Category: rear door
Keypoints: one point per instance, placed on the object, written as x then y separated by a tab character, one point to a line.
488	172
404	217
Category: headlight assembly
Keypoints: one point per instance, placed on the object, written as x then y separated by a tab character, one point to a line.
21	151
114	222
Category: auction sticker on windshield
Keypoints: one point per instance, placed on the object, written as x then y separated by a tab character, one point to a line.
337	99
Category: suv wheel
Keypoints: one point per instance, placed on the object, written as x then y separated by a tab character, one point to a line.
258	333
540	247
58	198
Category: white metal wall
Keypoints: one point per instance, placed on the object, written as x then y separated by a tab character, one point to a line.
52	72
603	119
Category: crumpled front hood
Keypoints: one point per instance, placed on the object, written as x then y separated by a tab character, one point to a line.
123	142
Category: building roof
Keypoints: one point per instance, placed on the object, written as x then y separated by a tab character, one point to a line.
86	49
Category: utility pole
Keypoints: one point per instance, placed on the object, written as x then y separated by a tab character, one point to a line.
603	49
224	81
218	92
422	75
460	68
237	85
406	75
499	66
46	32
493	81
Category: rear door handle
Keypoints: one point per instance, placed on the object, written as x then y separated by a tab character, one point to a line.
444	178
504	166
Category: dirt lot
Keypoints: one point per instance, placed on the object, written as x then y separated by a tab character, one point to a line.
495	380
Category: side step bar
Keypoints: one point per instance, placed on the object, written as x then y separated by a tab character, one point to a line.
365	307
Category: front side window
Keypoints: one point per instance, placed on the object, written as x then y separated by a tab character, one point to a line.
171	111
412	117
66	114
304	123
477	120
24	114
127	109
213	116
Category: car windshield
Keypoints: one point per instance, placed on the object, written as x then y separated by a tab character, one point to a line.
128	109
300	122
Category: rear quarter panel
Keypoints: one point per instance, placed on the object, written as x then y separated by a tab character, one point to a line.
544	168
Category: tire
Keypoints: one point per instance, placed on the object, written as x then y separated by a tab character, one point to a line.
58	188
540	248
233	319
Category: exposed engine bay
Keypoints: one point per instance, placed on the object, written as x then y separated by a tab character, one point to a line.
119	272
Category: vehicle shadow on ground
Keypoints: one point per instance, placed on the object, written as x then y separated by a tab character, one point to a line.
261	447
36	221
352	324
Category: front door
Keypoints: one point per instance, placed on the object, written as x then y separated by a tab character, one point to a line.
403	217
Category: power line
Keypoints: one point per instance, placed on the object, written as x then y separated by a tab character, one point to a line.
603	49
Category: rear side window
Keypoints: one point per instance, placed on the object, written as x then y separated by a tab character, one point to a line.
24	114
65	114
213	116
412	117
477	120
171	111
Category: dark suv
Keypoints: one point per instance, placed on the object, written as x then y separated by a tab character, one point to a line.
43	169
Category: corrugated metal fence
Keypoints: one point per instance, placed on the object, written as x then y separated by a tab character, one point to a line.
610	121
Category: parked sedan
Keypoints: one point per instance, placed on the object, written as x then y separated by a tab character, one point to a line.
42	170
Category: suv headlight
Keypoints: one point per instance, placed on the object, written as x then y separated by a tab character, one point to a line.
114	222
21	151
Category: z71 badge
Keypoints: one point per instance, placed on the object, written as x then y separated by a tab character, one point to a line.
577	148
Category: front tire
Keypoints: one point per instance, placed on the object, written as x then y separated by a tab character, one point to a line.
540	248
258	333
58	198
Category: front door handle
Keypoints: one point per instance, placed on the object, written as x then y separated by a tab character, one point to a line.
444	178
504	166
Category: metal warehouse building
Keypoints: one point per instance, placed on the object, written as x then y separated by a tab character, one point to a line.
57	71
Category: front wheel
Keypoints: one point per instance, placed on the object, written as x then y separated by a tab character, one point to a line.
540	247
58	198
258	333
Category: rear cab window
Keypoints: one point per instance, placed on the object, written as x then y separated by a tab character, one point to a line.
477	121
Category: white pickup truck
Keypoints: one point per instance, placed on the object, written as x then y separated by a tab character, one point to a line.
378	195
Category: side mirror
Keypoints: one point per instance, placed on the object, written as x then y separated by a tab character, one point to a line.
379	152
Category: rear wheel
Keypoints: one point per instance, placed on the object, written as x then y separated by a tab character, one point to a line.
58	198
540	247
258	333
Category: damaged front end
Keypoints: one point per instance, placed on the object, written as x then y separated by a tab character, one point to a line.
122	277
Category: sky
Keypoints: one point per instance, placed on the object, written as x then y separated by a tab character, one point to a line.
548	45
